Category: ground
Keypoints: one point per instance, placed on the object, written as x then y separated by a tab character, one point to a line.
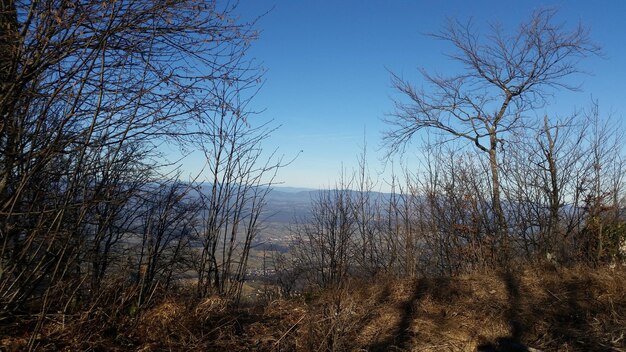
540	308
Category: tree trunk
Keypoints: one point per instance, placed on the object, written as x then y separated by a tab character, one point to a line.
8	63
502	228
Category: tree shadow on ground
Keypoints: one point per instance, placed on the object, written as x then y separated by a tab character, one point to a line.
566	313
517	324
543	312
401	335
575	315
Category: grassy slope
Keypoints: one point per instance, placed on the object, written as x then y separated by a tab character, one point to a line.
565	310
575	309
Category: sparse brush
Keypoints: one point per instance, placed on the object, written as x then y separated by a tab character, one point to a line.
564	309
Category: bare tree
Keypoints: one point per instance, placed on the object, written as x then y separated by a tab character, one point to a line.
366	204
505	76
237	177
89	91
400	228
323	245
544	179
167	222
287	273
604	186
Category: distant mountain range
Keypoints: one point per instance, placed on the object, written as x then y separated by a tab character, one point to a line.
286	204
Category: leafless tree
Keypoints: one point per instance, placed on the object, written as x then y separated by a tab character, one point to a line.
400	227
505	76
544	178
604	186
167	222
366	204
89	92
237	177
323	245
287	273
455	214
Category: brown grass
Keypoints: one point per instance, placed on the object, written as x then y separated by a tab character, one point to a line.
548	309
577	309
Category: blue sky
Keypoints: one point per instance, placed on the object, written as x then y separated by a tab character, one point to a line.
328	84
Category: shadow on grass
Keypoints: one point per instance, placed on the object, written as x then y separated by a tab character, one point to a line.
517	324
567	315
401	336
576	316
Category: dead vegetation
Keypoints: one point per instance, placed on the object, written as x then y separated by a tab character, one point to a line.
547	309
552	310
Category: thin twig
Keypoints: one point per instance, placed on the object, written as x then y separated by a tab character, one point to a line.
287	332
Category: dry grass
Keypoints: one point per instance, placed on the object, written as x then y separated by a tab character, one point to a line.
548	309
577	309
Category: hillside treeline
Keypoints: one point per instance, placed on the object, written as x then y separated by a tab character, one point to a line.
562	193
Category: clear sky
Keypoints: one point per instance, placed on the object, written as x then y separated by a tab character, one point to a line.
328	84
